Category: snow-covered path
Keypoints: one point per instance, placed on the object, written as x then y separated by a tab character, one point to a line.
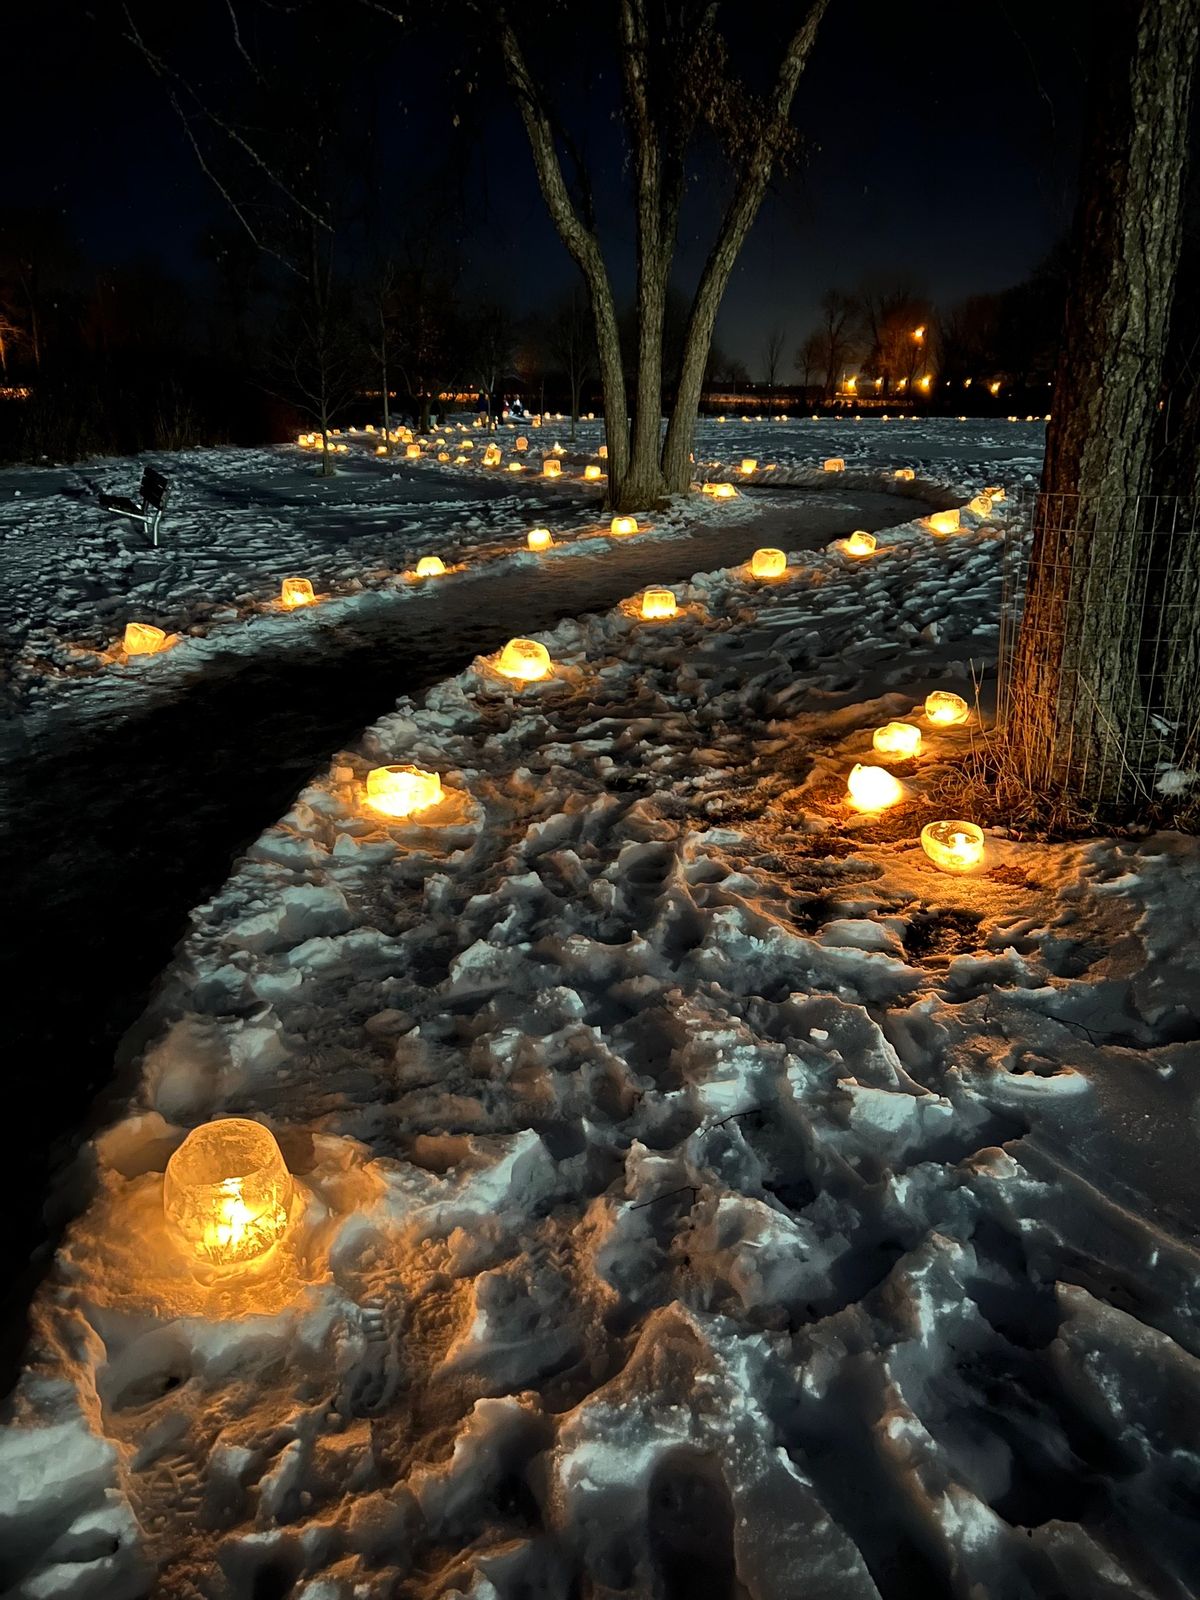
700	1195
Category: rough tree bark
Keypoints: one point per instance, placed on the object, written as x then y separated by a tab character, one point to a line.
661	112
1076	674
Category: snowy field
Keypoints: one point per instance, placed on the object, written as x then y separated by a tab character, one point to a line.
697	1193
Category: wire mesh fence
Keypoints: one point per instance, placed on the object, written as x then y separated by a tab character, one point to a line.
1099	663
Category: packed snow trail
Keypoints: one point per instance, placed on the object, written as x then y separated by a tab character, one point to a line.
700	1195
127	804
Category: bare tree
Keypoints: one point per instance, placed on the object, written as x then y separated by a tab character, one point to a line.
1079	670
833	341
810	357
773	354
492	339
571	342
677	82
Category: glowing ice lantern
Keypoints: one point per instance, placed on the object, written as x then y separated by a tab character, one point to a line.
658	603
749	465
402	791
981	505
872	789
953	846
835	464
430	567
381	450
602	452
227	1191
520	442
899	739
539	538
552	467
860	543
944	521
592	472
623	525
296	592
491	456
142	639
443	455
412	451
768	564
946	709
525	660
905	474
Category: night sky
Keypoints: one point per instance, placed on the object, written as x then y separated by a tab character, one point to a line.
942	142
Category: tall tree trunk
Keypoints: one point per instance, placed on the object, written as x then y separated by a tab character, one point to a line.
739	217
1076	678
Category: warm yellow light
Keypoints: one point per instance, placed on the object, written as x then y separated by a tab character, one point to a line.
658	603
900	739
142	639
552	467
520	442
524	659
905	474
919	333
443	455
925	382
623	525
720	419
402	791
835	464
412	451
591	472
460	461
719	491
370	427
995	494
860	543
430	567
491	456
539	538
749	465
602	452
227	1191
902	384
994	388
953	846
946	709
944	521
851	385
981	505
381	450
768	564
872	789
296	592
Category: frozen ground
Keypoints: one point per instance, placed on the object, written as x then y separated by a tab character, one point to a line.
701	1196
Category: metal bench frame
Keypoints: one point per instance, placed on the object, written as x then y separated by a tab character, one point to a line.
154	491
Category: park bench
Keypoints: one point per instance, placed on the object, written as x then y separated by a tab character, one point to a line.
155	491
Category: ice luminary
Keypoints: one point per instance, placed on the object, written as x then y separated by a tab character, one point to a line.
953	846
539	538
295	592
402	791
872	789
381	450
899	739
430	567
905	474
946	709
749	465
860	543
602	452
412	451
658	603
592	472
142	639
491	456
623	525
835	464
768	564
515	466
227	1191
443	455
981	505
719	491
525	660
552	467
944	521
520	442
